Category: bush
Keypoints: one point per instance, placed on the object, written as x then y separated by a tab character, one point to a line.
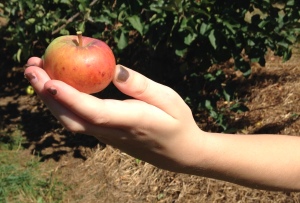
194	34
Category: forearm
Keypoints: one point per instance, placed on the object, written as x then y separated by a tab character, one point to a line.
260	161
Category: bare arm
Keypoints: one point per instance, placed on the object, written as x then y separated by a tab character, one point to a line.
158	127
270	162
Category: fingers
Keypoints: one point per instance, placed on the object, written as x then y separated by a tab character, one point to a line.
140	87
35	61
68	117
38	77
108	113
69	105
76	110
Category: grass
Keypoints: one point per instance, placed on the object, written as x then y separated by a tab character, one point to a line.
21	179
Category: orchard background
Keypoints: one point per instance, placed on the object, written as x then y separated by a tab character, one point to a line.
235	63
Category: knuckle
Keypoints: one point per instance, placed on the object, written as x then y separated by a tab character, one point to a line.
98	118
142	87
170	93
172	96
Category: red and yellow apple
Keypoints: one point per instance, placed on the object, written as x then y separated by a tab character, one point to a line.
85	63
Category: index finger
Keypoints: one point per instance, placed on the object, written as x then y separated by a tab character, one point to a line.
35	61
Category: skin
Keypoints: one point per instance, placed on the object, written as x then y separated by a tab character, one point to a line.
158	127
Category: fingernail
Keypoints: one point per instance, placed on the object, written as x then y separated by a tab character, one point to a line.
52	90
28	65
31	77
123	74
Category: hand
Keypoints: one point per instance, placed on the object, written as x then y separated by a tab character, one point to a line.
156	126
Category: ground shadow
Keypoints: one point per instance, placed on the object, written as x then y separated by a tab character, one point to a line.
43	134
276	128
269	128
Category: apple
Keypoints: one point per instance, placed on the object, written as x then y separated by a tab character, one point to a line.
85	63
29	90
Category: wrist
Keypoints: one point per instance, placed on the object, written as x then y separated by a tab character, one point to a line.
194	153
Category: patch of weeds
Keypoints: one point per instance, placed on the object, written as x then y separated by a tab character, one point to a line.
21	179
11	141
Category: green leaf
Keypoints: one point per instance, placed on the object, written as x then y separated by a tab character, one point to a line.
169	8
30	21
135	22
30	5
81	27
68	2
183	24
231	27
103	19
247	73
64	32
181	52
212	39
226	95
290	3
205	28
123	41
287	54
208	105
81	7
213	114
210	77
190	38
19	55
283	44
291	38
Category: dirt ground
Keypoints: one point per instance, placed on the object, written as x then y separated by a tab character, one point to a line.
100	173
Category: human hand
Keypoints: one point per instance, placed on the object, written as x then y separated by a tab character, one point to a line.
156	126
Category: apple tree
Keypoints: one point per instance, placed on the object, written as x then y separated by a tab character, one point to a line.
190	35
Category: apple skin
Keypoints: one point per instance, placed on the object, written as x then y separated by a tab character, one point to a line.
88	66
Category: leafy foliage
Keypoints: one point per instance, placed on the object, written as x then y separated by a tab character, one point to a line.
196	33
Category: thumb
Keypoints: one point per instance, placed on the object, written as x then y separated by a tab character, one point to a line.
142	88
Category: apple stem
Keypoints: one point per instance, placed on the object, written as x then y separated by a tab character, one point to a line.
79	35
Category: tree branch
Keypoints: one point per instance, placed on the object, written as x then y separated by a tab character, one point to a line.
71	19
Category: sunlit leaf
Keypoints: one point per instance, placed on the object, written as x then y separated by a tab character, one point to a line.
212	39
68	2
190	38
135	21
290	2
123	41
30	21
205	28
226	95
19	52
81	26
180	52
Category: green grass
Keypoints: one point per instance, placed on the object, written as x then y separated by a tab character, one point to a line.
21	179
